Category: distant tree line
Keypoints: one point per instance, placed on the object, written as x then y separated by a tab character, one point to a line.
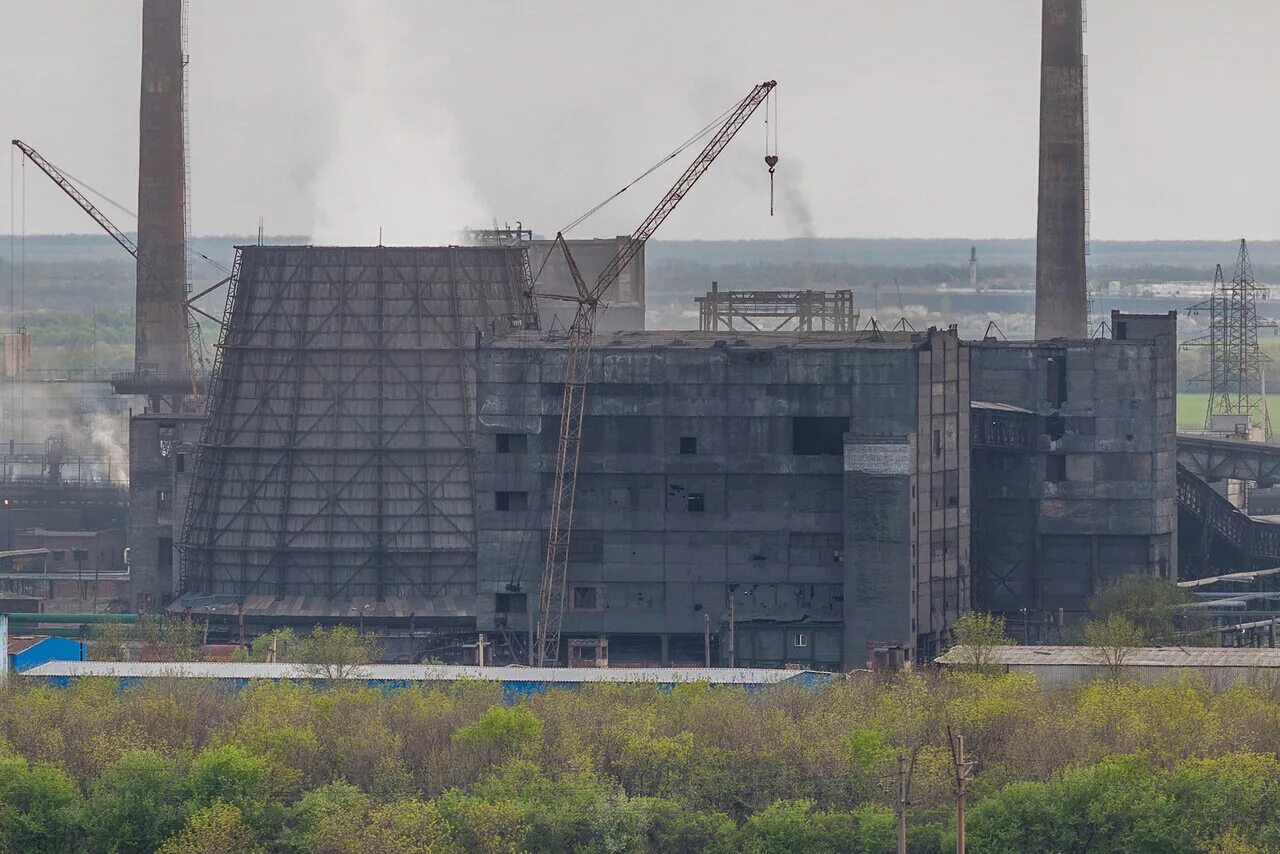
189	766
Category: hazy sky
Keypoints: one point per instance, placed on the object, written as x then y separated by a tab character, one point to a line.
898	117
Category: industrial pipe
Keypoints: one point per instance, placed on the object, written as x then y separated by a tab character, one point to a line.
26	619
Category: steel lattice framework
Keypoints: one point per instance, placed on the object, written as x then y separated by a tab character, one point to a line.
803	311
1236	362
337	464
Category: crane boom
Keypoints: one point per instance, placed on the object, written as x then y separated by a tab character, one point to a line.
64	184
194	342
555	571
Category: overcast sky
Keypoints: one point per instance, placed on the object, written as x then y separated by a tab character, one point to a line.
913	118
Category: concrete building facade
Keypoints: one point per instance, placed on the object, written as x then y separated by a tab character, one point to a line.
733	488
1089	490
624	299
162	456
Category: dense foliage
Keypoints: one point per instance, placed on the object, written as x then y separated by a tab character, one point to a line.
187	766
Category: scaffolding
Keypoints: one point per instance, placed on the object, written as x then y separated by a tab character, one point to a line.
336	469
777	311
1235	377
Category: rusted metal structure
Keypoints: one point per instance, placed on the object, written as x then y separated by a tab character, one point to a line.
1062	224
776	311
336	468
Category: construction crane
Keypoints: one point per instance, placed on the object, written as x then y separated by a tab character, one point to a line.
555	571
64	184
194	343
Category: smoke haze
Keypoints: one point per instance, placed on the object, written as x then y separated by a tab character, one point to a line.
911	119
393	160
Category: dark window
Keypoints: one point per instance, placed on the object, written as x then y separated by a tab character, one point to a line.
937	443
688	444
1122	330
586	598
818	437
951	482
511	501
164	553
58	556
697	503
1055	468
80	554
180	463
1056	380
511	603
512	443
1055	426
164	500
801	639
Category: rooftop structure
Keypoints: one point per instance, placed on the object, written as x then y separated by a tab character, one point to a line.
623	301
773	311
1058	664
516	682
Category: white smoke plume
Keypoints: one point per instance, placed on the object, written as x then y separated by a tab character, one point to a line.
111	442
92	425
393	162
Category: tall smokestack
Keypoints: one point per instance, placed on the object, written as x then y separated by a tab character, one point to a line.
162	195
1061	303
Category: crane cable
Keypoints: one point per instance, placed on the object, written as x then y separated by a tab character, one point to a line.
697	136
655	167
84	185
771	155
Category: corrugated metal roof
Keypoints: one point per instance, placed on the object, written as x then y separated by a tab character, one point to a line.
1166	656
19	645
417	673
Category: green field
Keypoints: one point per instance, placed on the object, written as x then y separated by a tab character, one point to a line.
1191	409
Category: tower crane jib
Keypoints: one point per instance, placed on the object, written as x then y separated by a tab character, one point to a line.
551	599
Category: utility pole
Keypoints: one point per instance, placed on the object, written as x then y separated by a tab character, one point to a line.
902	804
963	771
706	639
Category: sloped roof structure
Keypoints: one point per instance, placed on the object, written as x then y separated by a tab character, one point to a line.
336	469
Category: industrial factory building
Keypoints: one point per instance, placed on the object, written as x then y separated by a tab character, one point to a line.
1074	467
382	441
811	490
818	499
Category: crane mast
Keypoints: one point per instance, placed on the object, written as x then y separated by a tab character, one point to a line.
555	571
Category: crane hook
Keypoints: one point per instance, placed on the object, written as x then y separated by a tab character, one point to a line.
771	160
